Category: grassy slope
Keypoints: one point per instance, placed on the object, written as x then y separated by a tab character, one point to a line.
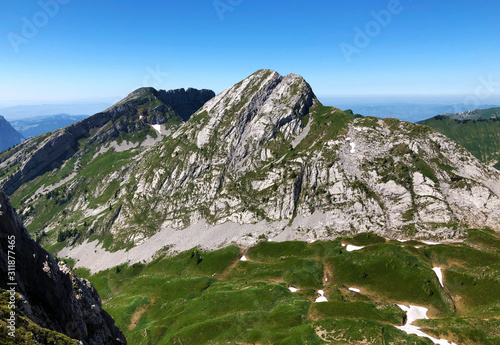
197	297
480	137
489	113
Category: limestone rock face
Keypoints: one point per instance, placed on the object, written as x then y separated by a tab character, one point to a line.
265	151
249	155
54	297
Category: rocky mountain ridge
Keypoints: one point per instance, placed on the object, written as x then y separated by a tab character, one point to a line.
476	114
50	294
264	156
136	113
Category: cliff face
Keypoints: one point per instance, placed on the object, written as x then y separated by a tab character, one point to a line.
52	295
185	102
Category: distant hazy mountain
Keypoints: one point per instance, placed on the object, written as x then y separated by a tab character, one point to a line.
477	130
8	135
411	112
31	127
26	111
476	114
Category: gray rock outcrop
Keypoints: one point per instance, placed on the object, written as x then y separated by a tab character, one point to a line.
53	296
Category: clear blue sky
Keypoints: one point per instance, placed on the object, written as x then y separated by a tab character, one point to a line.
101	50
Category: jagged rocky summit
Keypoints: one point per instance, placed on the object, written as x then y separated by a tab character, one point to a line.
51	295
263	158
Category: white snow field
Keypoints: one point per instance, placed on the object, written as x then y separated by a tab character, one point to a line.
322	298
439	274
351	248
157	128
414	313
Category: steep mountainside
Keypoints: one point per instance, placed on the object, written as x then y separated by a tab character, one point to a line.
8	135
49	294
263	158
135	116
480	136
31	127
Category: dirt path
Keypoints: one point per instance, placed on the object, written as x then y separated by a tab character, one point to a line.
136	316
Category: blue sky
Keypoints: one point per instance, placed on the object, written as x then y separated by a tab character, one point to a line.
88	51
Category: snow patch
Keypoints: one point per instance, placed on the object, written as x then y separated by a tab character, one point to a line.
157	128
355	290
353	146
431	243
243	258
351	248
439	274
322	297
414	313
292	289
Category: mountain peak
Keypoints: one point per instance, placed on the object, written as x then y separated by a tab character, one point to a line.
144	91
257	106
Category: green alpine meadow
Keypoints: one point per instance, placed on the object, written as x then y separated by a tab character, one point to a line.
199	297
